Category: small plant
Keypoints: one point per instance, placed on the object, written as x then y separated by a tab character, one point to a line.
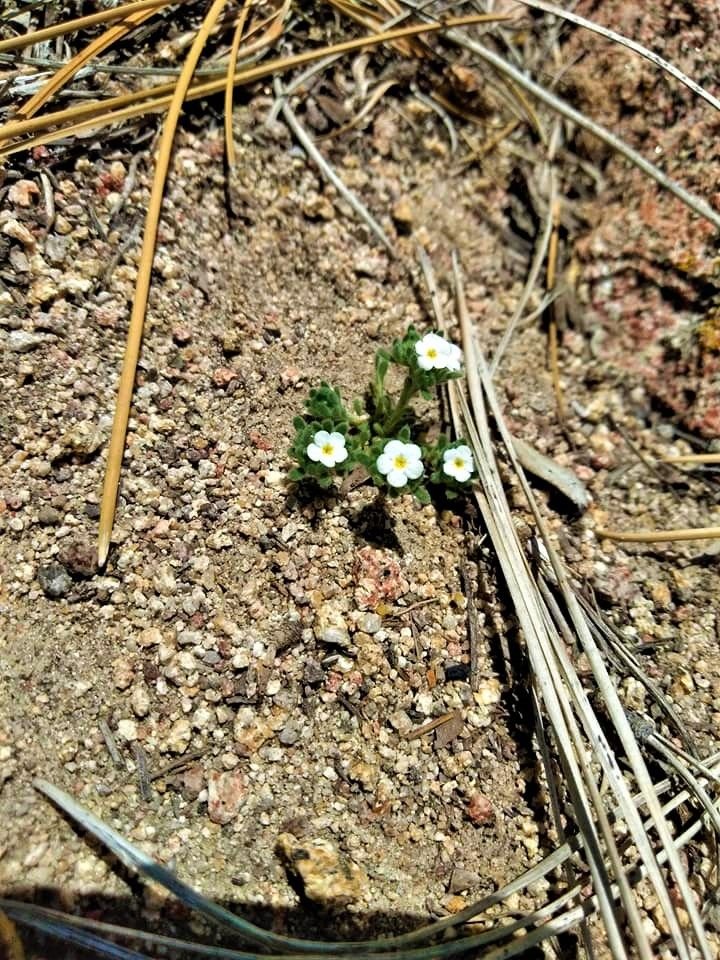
381	434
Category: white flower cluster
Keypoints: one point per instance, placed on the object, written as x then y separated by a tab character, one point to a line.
400	462
436	353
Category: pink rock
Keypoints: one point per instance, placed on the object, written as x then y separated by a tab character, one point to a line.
377	577
480	809
225	793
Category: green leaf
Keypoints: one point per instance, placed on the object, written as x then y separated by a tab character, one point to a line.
296	474
422	495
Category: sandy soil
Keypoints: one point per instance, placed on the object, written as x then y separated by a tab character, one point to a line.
202	650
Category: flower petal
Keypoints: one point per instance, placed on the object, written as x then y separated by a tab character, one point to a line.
397	478
321	438
412	451
384	463
414	469
314	452
462	474
340	455
337	438
394	447
327	459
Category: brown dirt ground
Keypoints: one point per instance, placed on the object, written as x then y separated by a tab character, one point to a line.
199	638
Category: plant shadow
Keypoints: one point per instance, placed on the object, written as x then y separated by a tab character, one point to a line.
174	919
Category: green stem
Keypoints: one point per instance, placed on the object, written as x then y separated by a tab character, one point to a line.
410	388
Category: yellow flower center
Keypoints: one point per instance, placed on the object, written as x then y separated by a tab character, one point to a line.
459	463
328	449
400	462
432	353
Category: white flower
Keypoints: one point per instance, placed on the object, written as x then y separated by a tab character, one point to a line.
458	463
400	462
327	448
436	353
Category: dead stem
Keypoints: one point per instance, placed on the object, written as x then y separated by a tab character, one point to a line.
230	84
694	458
550	280
327	171
626	42
660	536
81	23
138	103
142	288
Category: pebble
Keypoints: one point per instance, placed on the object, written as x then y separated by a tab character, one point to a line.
369	623
140	701
23	193
330	626
127	730
20	341
54	580
403	215
84	438
480	809
123	672
48	516
290	733
370	265
164	581
225	793
462	880
250	733
193	780
327	876
80	557
179	736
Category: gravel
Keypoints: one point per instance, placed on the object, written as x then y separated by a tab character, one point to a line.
271	655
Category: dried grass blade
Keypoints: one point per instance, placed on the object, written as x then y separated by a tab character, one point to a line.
12	948
230	84
660	536
66	72
694	458
142	287
534	622
374	21
328	172
160	96
696	204
626	42
616	712
27	912
80	23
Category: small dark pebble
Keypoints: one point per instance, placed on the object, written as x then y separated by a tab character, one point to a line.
456	671
92	511
80	558
54	580
313	672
